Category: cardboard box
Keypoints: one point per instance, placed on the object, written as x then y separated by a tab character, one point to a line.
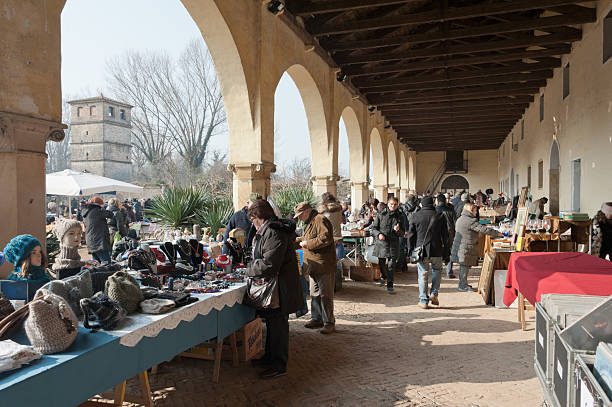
359	273
250	341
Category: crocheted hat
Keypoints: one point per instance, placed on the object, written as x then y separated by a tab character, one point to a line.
19	248
63	225
156	306
124	289
72	289
51	326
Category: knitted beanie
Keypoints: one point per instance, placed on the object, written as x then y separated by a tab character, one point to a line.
51	326
72	289
156	306
63	225
124	289
19	248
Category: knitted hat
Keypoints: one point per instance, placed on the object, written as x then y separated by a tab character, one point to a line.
223	260
156	306
72	289
51	326
606	208
124	289
96	200
441	198
19	248
100	311
427	201
63	225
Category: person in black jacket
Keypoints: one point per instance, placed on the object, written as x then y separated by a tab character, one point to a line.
274	255
450	217
433	244
387	229
97	236
240	220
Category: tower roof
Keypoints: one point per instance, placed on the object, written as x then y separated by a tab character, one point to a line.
100	98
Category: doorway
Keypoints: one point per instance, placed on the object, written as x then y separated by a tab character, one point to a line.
553	179
576	173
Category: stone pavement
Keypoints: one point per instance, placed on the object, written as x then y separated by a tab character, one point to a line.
387	352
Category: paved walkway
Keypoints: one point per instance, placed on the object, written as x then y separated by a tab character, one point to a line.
387	352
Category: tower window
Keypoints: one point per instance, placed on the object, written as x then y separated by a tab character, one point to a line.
79	110
122	114
92	110
111	111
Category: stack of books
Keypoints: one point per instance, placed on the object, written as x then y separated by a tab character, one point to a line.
575	217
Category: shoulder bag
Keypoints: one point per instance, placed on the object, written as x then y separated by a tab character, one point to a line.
262	292
417	254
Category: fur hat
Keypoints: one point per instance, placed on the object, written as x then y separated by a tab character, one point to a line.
124	289
156	306
63	225
51	326
72	289
96	200
19	248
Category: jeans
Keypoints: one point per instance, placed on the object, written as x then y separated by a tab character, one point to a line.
340	253
322	298
277	338
305	293
433	264
449	268
463	274
102	256
387	270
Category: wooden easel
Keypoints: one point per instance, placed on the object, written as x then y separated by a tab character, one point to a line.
217	346
118	396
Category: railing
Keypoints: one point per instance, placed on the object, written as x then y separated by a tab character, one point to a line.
456	166
435	179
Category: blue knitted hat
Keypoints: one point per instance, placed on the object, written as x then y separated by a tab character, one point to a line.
19	248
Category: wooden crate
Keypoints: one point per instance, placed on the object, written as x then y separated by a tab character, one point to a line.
359	273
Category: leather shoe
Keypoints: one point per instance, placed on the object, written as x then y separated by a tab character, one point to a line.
434	300
328	329
424	306
261	363
314	324
272	373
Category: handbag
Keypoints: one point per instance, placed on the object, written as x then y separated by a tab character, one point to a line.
418	252
100	312
262	292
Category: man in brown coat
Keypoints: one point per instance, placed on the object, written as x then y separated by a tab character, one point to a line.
317	241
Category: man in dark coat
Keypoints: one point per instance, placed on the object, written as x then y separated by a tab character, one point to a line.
240	220
319	256
433	244
97	236
387	229
465	198
450	218
274	255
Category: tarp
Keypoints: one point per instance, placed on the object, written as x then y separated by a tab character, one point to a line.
73	183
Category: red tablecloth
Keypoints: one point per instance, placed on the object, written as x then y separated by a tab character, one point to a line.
534	274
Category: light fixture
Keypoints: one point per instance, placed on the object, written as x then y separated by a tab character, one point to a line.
387	126
371	109
340	76
276	7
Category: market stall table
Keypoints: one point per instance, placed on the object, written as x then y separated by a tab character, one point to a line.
96	362
532	274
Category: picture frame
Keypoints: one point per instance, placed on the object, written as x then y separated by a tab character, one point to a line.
485	283
523	196
522	216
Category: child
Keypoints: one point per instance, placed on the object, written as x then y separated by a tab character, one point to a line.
26	253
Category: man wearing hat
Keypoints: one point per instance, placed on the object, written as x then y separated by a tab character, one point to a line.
317	241
240	220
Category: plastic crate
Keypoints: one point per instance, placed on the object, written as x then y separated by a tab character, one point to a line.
563	377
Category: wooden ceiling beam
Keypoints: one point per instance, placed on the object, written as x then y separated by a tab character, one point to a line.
527	24
514	68
436	16
520	102
356	71
306	8
388	101
475	119
484	46
506	79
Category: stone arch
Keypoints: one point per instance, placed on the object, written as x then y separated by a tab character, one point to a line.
411	174
455	183
379	165
392	166
321	149
358	171
229	67
403	172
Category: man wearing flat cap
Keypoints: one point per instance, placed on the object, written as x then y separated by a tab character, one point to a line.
317	241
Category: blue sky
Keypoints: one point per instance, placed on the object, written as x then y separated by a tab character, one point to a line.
95	31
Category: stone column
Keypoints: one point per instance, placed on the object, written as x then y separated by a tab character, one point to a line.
403	192
322	184
392	189
250	177
22	175
380	192
360	193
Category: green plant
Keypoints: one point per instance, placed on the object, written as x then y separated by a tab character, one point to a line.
216	214
53	248
179	206
287	198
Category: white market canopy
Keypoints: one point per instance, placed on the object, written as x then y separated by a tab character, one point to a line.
73	183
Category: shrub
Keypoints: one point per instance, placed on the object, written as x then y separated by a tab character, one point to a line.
287	198
178	207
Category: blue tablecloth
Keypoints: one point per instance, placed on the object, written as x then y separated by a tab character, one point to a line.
96	362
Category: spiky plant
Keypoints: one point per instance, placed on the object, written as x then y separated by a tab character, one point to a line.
288	197
216	214
178	207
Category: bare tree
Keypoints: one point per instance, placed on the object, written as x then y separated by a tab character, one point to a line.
59	154
177	105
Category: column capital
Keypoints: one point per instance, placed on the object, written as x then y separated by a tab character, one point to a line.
20	132
252	170
325	178
360	184
381	186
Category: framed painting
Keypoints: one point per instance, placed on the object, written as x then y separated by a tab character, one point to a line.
522	216
486	276
523	196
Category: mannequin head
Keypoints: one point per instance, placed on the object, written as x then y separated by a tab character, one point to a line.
72	237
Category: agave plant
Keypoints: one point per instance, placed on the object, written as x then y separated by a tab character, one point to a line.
287	198
178	207
216	214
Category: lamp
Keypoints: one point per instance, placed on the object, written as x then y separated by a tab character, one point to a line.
276	7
